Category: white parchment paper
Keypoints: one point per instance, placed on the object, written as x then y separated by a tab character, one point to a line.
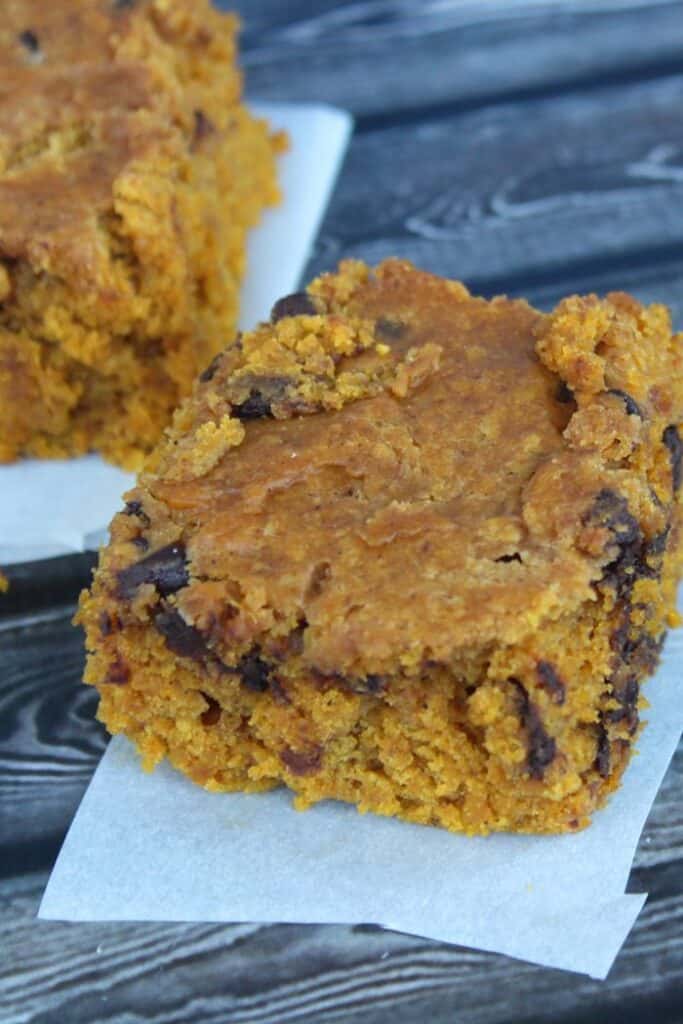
157	847
53	507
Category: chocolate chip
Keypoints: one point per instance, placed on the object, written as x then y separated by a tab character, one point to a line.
165	568
611	510
29	40
255	407
672	440
387	328
253	672
515	557
203	127
551	681
212	713
541	748
118	673
105	624
657	546
632	407
563	393
603	759
180	637
122	5
141	543
209	373
305	762
134	508
297	304
627	696
639	653
371	685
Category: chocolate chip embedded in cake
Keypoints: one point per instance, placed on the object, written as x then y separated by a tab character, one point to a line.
407	548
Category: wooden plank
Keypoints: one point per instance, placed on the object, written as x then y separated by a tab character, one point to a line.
44	585
377	57
131	973
525	196
49	740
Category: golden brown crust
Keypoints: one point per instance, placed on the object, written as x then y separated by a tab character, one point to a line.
410	549
123	212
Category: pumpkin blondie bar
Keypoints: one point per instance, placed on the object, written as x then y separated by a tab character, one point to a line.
406	548
130	172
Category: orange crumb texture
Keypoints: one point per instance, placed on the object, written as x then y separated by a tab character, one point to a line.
406	548
130	173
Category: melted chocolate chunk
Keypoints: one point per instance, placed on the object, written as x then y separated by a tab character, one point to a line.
639	653
165	568
212	713
122	5
29	40
551	681
297	304
515	557
256	407
180	637
672	440
603	758
254	673
387	328
632	407
118	673
105	624
540	746
563	393
657	545
209	373
305	762
611	511
203	127
371	685
134	508
627	695
141	543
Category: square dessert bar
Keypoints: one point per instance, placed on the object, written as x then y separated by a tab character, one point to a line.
406	548
129	175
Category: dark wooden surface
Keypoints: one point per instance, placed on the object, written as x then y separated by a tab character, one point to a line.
531	148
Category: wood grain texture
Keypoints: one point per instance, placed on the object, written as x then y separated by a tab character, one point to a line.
130	973
520	196
529	147
434	54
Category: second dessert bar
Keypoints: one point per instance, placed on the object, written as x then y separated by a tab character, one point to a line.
130	172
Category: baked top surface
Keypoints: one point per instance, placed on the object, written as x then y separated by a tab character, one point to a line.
401	473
